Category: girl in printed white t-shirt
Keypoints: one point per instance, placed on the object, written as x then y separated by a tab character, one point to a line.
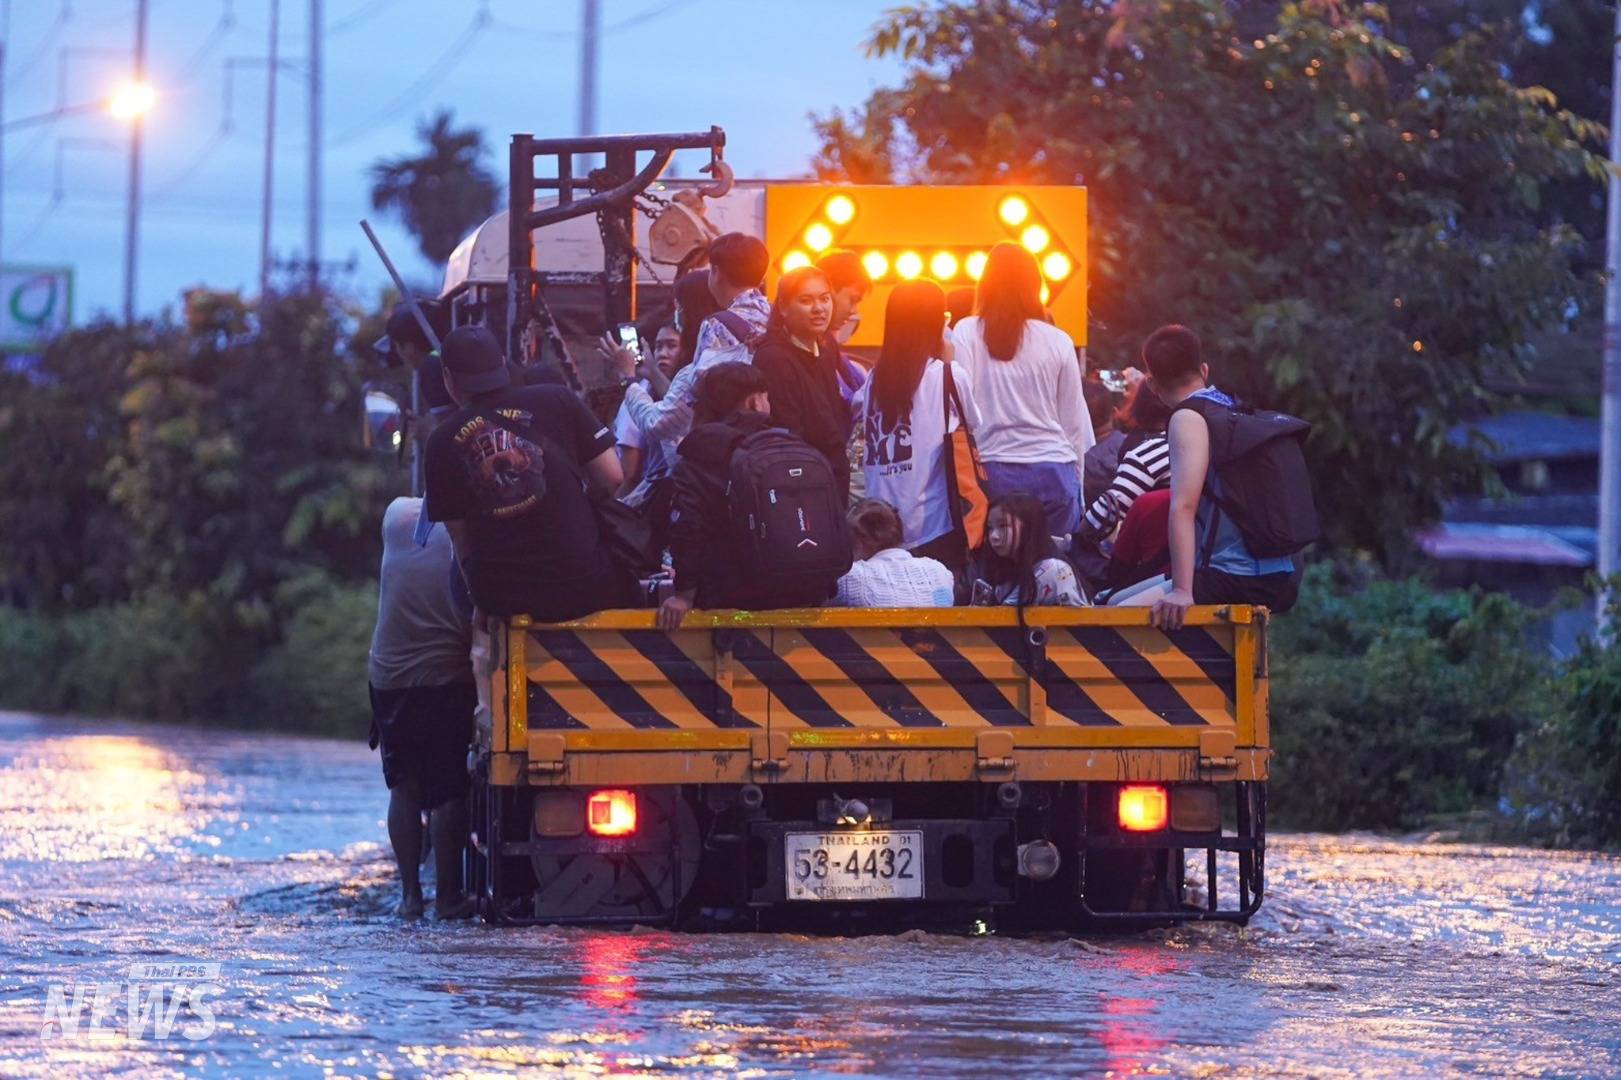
1016	565
905	421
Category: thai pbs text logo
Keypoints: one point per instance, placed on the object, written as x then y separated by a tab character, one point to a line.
157	1001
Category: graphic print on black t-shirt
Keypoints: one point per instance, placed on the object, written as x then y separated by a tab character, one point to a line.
506	473
891	444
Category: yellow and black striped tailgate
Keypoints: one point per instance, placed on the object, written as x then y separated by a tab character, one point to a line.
1068	677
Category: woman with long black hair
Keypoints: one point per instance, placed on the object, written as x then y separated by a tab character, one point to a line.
1016	565
799	360
1027	380
906	421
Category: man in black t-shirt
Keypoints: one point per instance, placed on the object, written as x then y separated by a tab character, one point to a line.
507	473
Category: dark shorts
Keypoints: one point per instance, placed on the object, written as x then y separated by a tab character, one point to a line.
1277	592
424	732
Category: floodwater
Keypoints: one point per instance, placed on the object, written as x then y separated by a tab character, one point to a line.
131	844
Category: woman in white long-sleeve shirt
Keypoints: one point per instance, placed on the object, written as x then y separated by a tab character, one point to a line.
1034	428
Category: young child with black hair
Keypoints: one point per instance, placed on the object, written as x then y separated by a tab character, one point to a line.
1017	564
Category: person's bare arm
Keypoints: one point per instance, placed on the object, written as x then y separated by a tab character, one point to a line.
1189	437
630	462
603	474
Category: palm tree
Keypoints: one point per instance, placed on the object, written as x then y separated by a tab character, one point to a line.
441	195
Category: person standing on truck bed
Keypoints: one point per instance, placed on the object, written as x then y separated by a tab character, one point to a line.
851	284
908	419
1211	562
508	473
737	266
800	362
420	679
1035	429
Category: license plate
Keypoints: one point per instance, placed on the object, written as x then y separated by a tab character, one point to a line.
854	865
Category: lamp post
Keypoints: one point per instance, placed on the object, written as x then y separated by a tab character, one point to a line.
132	222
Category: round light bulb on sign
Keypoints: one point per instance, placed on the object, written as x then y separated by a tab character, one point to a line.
908	264
840	210
1056	266
876	264
818	237
1013	211
1035	239
944	265
976	265
794	260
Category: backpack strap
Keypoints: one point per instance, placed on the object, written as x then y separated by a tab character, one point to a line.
737	326
1210	410
951	398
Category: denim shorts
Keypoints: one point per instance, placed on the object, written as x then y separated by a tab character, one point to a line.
1055	483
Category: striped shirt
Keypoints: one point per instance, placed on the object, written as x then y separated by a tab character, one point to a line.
1143	468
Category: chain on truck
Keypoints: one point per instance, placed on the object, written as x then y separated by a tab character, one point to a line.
1050	767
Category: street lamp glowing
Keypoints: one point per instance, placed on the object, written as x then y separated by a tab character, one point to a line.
131	100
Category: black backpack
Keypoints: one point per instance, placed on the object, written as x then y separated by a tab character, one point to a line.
1261	475
786	512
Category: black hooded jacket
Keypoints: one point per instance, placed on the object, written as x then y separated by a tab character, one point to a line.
703	543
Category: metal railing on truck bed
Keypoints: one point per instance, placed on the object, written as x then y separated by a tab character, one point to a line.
845	695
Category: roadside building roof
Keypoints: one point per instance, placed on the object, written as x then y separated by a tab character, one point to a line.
1472	542
1532	436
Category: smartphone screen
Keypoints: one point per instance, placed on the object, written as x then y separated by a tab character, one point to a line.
630	339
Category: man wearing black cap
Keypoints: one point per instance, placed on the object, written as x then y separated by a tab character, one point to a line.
404	342
507	473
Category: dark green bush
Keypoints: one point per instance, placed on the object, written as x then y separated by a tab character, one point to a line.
193	659
1393	703
315	679
1564	781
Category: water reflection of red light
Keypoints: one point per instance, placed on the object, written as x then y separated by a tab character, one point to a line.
1128	1031
609	963
1127	1038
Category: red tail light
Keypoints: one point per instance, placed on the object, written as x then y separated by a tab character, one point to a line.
611	813
1144	808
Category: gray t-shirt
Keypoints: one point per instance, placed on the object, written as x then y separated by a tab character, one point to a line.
423	636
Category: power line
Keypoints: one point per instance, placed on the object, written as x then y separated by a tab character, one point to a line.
655	12
201	158
222	30
407	98
360	15
39	52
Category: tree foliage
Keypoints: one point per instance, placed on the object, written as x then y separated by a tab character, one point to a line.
441	194
1355	235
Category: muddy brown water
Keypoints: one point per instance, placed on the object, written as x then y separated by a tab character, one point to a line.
127	845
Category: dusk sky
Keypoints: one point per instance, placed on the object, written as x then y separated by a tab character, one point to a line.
755	68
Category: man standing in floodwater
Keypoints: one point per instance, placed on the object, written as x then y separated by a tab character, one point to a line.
422	699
